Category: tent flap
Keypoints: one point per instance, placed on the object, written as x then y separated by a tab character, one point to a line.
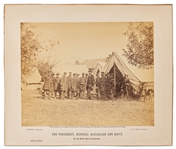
115	59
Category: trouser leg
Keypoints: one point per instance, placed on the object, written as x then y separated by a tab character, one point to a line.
104	95
69	94
81	94
107	93
49	95
45	94
98	92
62	95
77	94
88	94
101	95
73	94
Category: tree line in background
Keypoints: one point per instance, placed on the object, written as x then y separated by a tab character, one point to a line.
31	47
139	50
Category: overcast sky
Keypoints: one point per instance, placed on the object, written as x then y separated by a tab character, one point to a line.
81	41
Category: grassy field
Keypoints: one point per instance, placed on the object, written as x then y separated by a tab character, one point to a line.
39	112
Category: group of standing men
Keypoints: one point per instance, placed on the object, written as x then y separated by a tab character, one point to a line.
73	86
105	86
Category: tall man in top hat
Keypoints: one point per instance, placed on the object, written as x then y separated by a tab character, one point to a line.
90	83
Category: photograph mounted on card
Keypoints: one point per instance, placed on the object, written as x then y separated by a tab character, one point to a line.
88	77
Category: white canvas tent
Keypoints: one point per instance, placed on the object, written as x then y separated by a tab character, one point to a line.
79	69
34	77
31	81
118	67
99	67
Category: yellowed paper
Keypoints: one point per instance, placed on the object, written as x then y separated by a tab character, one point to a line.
52	39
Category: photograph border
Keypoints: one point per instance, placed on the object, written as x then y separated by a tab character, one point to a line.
12	61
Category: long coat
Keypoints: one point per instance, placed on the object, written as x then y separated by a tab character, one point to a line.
63	84
98	79
82	83
90	80
102	83
69	82
56	83
107	83
52	84
74	84
48	83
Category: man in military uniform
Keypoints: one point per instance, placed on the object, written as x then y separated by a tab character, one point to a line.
82	85
77	77
48	85
90	83
107	85
126	85
75	86
98	79
86	75
102	86
63	85
69	81
112	88
52	85
56	85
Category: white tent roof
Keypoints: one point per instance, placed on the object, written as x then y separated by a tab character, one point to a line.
115	59
102	64
79	69
99	66
34	77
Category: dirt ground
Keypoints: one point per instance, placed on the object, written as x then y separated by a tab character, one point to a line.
121	112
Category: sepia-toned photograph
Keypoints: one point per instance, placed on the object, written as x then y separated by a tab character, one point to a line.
80	75
87	74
